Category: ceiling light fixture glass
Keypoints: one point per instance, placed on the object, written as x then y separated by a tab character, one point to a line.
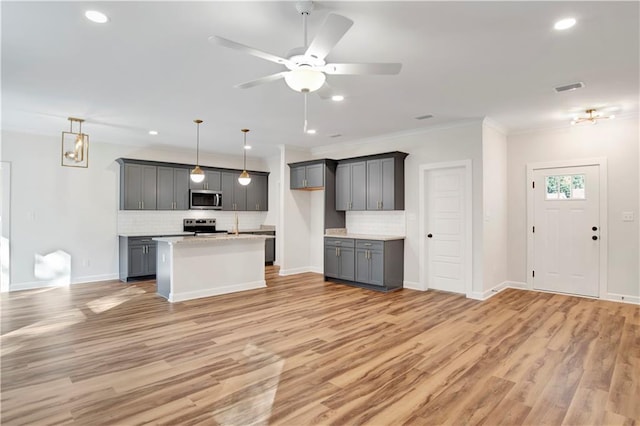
197	175
97	17
311	132
337	98
592	117
75	146
564	24
153	132
305	79
244	179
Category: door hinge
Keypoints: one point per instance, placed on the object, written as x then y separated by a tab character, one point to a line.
533	184
534	229
533	274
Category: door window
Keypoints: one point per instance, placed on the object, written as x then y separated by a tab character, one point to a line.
565	187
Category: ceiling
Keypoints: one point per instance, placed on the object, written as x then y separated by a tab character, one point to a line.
152	68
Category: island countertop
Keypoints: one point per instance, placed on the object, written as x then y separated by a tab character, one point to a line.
366	237
207	239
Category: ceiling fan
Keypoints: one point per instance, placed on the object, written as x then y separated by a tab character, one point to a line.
306	66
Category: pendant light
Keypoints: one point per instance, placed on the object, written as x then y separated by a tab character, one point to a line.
244	178
197	175
75	146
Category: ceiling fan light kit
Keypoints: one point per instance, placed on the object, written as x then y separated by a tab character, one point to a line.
305	79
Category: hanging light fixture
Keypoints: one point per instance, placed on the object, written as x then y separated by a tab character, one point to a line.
75	146
592	117
244	179
197	175
305	79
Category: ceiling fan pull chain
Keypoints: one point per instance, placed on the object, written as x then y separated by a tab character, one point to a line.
304	129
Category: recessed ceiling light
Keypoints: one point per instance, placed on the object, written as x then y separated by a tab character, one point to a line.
337	98
247	147
153	132
564	24
311	131
97	17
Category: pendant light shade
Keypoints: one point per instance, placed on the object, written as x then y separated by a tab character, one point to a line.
197	175
244	179
75	146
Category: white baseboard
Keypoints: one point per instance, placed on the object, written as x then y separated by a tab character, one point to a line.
634	300
412	285
477	295
188	295
29	285
294	271
316	269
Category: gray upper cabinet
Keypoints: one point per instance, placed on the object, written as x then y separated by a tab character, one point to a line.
212	181
257	193
307	175
173	188
350	186
234	195
380	184
138	187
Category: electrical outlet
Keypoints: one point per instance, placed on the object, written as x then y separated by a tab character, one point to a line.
627	216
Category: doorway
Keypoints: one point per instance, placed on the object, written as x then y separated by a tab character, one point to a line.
567	238
445	227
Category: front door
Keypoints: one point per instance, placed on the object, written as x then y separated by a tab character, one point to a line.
566	231
445	226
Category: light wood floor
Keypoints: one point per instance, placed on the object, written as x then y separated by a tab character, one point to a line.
303	351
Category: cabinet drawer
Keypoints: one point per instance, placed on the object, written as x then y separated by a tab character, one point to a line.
339	242
140	240
370	244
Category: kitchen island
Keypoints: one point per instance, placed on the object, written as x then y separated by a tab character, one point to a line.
203	266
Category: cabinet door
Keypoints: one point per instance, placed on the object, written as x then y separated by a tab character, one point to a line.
363	273
270	250
376	267
343	187
149	185
315	175
132	187
359	186
137	264
257	192
388	184
181	181
331	264
165	186
239	193
152	250
374	184
228	184
347	263
297	176
212	180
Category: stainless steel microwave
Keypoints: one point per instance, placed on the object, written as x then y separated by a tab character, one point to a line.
204	199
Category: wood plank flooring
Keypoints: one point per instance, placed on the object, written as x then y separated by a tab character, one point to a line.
303	352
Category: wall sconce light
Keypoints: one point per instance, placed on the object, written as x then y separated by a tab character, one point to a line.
75	146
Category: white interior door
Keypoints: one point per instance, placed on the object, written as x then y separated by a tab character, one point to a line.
445	229
566	230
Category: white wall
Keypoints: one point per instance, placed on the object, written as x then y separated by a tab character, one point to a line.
316	230
616	140
429	146
74	210
494	159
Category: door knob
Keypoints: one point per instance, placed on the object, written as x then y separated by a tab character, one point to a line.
429	235
595	237
594	228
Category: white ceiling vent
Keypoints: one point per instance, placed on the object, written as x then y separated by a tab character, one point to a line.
424	117
569	87
337	135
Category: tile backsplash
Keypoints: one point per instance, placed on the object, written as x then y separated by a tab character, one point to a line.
162	222
377	222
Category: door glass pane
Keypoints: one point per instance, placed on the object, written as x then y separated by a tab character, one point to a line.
577	186
551	186
564	187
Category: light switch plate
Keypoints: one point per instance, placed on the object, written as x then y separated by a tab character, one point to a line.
627	216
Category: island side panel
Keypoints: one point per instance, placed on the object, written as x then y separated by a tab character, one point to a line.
163	268
216	267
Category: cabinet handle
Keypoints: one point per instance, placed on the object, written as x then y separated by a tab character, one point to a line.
368	254
381	205
336	251
367	244
143	205
339	252
350	205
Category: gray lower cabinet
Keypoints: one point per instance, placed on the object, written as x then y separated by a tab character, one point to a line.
173	188
351	179
339	261
137	257
376	264
138	187
234	195
257	193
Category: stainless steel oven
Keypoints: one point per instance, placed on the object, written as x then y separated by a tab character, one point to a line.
204	199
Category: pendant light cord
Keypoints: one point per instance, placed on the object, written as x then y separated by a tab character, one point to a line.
197	144
244	152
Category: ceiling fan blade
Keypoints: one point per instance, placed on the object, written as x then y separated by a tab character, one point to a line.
332	30
262	80
373	68
246	49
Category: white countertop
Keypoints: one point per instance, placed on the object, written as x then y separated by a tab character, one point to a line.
157	234
366	237
211	238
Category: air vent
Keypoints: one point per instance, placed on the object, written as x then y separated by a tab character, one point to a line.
569	87
424	117
337	135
